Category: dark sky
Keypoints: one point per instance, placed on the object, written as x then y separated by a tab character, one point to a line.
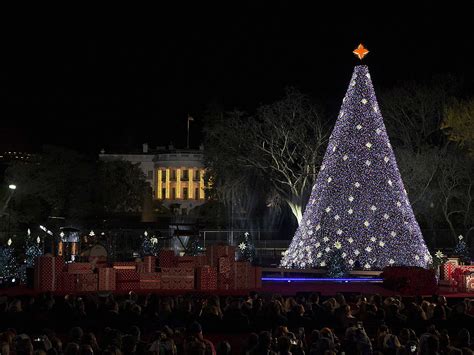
118	80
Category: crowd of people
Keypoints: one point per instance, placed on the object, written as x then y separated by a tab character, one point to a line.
255	325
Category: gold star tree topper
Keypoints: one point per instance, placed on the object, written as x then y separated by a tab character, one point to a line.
360	51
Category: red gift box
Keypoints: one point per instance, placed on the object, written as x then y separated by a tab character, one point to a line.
449	267
206	278
87	282
150	281
462	276
98	261
127	275
255	278
224	282
125	265
214	252
45	273
79	268
192	261
149	264
67	282
107	279
470	282
258	277
128	285
60	265
166	258
242	275
177	278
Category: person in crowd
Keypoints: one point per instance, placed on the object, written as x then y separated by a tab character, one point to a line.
257	324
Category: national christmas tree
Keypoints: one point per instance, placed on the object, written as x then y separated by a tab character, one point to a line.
358	204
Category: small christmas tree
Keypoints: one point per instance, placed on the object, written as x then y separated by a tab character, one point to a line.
32	249
8	264
150	245
246	247
461	250
194	248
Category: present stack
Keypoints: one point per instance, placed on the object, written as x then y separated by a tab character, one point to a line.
459	277
216	270
177	278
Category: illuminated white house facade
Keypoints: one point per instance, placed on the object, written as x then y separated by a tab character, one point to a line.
175	175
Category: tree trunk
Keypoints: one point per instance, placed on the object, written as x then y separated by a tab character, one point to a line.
297	210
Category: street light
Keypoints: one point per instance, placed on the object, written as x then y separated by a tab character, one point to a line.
12	187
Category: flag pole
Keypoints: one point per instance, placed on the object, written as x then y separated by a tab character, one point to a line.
187	141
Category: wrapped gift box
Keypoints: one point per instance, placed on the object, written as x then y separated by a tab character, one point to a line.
98	261
192	261
150	281
177	278
79	268
67	282
470	282
127	275
255	277
87	282
166	258
45	273
60	264
224	282
214	252
206	278
127	285
462	277
449	267
148	264
124	265
107	279
242	275
258	276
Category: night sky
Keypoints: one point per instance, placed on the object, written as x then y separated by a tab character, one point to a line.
115	81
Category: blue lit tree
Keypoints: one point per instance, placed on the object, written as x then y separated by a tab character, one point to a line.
32	249
358	204
246	247
461	250
8	264
150	245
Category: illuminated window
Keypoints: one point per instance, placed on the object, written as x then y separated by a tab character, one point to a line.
163	176
173	193
150	174
185	175
163	192
173	175
185	193
196	193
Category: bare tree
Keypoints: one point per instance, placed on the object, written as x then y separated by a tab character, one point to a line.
281	146
456	187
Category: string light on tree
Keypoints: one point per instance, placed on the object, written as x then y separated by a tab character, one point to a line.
379	226
246	247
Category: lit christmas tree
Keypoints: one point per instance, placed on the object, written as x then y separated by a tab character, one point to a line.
246	247
8	264
150	245
461	250
32	249
358	201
